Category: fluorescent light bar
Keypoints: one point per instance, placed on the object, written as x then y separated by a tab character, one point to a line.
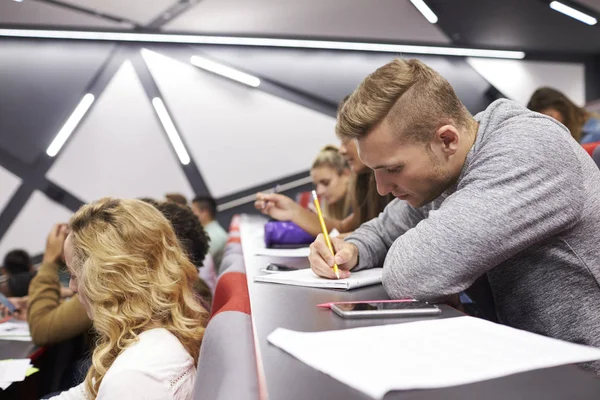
225	71
263	42
69	126
573	13
425	10
172	133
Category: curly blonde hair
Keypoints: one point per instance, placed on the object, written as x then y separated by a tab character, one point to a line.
135	276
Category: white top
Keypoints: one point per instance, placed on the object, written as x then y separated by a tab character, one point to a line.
156	367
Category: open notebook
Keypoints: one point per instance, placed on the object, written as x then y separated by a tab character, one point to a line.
305	277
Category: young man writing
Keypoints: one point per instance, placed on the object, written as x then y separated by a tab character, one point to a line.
507	193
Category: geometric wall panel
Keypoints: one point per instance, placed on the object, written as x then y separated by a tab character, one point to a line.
120	149
44	14
318	72
8	184
519	79
382	20
41	83
592	4
31	227
133	10
239	136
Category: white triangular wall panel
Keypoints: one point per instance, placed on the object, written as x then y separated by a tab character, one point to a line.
120	148
239	136
8	184
518	79
31	227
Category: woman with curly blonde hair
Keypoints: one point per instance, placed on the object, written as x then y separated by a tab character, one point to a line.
135	282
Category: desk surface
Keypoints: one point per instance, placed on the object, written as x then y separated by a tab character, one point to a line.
295	308
15	349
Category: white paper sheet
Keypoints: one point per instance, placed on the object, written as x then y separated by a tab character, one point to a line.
14	370
15	330
305	277
427	354
301	252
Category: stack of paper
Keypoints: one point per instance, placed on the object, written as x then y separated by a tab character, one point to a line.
427	354
15	330
306	277
15	371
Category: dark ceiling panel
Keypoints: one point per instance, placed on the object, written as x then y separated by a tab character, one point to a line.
331	75
41	83
528	25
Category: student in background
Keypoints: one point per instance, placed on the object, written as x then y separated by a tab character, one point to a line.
584	125
506	193
205	208
362	195
176	198
52	320
18	270
135	282
193	239
332	177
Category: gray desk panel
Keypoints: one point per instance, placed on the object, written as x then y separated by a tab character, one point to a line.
15	349
295	308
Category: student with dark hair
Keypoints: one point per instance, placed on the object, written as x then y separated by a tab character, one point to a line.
176	198
583	125
19	271
205	208
193	239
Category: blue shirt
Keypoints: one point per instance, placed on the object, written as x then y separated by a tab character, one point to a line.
590	132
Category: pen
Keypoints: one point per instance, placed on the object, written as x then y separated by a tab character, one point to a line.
274	191
324	228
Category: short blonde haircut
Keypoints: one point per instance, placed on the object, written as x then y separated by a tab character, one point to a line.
136	277
415	99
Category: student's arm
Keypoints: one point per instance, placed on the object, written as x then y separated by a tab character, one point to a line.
367	246
282	208
374	238
51	321
133	384
515	195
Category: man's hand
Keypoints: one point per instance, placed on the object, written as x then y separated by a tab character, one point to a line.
277	206
321	259
55	244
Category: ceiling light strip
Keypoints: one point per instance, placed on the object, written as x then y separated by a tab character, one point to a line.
263	42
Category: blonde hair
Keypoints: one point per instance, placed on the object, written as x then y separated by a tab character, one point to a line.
415	99
330	157
135	276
